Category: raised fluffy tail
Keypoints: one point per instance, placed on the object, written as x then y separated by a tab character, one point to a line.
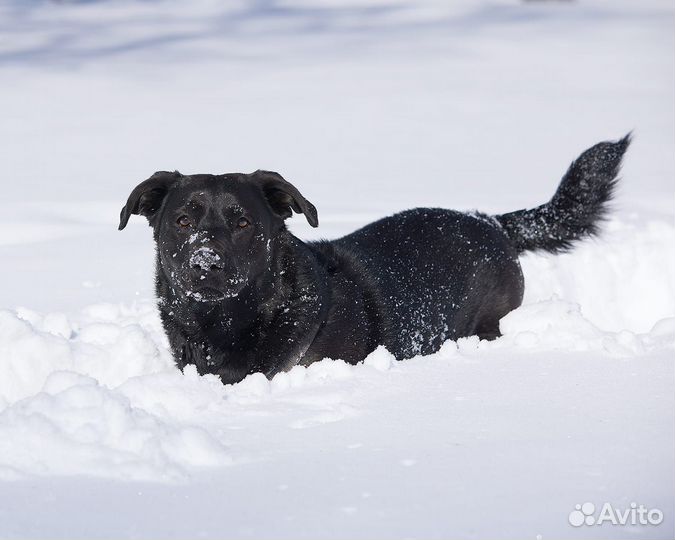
578	206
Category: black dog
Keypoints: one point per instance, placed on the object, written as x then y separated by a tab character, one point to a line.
240	294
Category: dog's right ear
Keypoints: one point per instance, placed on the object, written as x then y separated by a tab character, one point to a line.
147	197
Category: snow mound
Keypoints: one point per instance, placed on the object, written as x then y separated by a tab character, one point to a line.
75	425
560	325
60	408
99	394
625	279
110	343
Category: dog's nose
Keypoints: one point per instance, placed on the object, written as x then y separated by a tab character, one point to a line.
206	259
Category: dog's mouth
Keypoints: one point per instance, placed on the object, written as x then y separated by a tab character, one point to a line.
208	294
206	284
214	292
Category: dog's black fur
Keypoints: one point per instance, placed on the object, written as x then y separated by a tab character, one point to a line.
238	293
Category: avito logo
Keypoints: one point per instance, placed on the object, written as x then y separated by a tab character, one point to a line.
584	514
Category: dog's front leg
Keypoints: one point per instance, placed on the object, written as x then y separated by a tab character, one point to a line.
288	339
195	352
231	368
281	346
232	373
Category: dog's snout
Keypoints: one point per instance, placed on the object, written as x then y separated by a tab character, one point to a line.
206	259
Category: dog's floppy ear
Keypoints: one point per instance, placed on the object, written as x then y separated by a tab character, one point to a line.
147	197
283	197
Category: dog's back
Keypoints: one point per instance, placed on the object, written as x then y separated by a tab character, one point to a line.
440	274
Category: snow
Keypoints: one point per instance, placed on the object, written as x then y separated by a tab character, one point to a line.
368	107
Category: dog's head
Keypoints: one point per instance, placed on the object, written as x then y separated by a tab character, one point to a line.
214	233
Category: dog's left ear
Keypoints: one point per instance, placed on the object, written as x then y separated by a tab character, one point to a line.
284	197
147	197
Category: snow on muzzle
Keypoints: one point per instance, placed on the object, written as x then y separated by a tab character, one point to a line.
205	259
211	278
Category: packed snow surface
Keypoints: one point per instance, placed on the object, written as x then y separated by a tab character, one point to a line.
368	107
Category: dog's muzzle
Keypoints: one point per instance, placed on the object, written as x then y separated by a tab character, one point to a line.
211	279
205	260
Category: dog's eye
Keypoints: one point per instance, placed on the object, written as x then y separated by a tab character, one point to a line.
183	221
242	223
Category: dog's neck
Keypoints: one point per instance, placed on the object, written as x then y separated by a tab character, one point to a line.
229	323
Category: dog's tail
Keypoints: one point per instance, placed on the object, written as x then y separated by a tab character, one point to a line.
578	207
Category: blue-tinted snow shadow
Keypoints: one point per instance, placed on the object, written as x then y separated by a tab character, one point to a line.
73	42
